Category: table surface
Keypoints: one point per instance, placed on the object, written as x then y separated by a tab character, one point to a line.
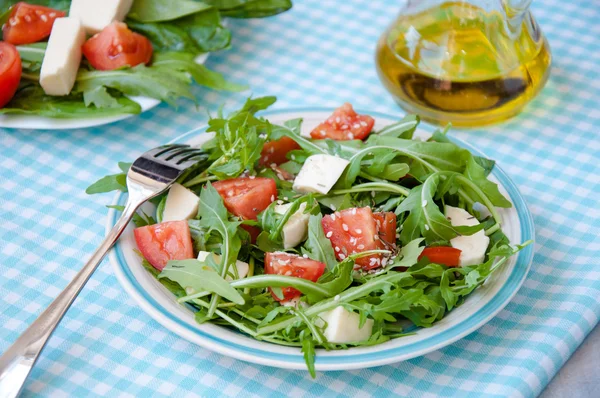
319	54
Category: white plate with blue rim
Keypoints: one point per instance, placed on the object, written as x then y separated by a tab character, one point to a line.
480	307
49	123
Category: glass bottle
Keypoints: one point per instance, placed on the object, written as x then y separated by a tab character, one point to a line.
470	62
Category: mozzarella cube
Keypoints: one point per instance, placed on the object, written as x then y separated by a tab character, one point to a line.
181	204
242	267
96	15
319	174
295	230
63	56
342	326
472	247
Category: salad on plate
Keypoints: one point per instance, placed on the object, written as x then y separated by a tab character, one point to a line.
337	237
89	59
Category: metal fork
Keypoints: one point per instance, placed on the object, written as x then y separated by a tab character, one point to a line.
150	175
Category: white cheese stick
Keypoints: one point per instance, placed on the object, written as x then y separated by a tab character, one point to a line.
181	204
342	326
96	15
63	56
295	230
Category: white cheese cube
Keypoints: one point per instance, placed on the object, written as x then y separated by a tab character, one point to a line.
242	267
472	247
63	56
319	174
295	230
96	15
181	204
342	326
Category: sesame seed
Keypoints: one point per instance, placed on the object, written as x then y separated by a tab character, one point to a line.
280	202
52	14
27	18
288	273
337	297
323	133
305	255
285	198
373	193
272	149
252	177
345	127
293	157
272	198
354	211
376	237
427	227
424	203
350	136
358	231
230	193
356	125
337	249
345	227
332	207
363	123
337	119
342	256
13	21
333	217
273	165
44	18
280	176
360	247
329	234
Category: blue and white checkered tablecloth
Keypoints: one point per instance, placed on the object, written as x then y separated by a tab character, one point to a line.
320	53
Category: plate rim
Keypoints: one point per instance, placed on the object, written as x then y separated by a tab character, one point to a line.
344	362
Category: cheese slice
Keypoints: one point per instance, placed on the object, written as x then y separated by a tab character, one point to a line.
295	230
342	326
472	247
96	15
181	204
319	174
62	57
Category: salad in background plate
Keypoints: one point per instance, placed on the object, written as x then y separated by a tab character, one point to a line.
332	239
90	59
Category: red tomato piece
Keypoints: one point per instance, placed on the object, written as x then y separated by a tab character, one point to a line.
117	46
353	231
10	72
344	124
28	23
386	226
280	263
160	243
245	197
444	255
276	151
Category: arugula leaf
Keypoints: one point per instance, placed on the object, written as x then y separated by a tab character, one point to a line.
114	182
30	99
405	128
160	10
476	173
408	255
198	276
197	33
308	349
171	286
251	8
32	56
185	62
317	246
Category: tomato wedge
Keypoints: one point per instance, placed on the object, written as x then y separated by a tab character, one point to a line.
245	197
344	124
280	263
160	243
386	226
353	231
444	255
117	46
10	72
276	151
28	23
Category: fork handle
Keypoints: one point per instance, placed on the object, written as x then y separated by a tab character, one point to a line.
19	358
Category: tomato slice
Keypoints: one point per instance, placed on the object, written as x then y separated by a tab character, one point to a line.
166	241
245	197
115	47
444	255
386	226
10	72
28	23
276	151
344	124
353	231
280	263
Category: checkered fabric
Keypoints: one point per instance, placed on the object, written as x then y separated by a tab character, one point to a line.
318	54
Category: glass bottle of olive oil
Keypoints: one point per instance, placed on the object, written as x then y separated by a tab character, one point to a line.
466	62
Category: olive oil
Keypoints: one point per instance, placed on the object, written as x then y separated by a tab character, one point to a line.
458	63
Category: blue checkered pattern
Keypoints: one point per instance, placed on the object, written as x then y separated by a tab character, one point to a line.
319	54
